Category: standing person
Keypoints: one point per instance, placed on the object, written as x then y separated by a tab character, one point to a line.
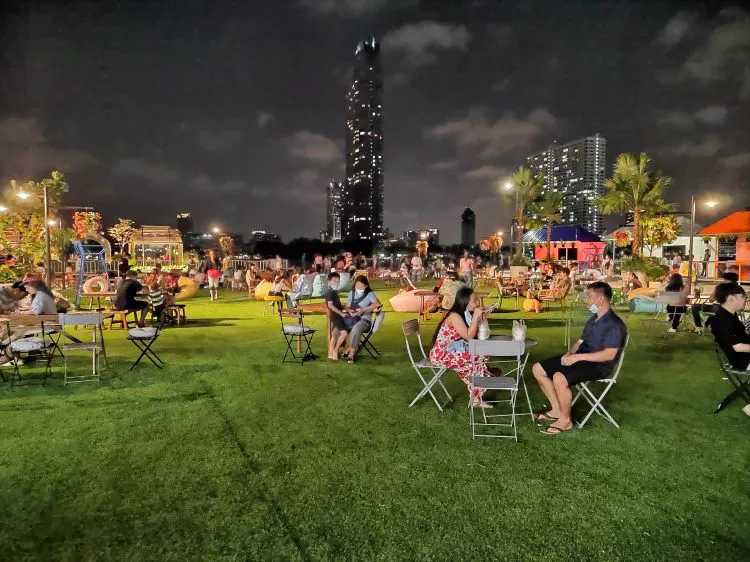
123	266
706	261
278	264
466	268
251	279
125	297
337	315
676	261
416	268
213	274
450	344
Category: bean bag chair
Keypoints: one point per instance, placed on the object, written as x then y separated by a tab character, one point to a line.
643	304
188	289
262	289
345	282
407	301
649	293
96	284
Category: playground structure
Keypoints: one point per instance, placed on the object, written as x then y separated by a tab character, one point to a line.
92	253
151	245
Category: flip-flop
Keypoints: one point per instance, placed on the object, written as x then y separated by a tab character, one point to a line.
553	430
542	417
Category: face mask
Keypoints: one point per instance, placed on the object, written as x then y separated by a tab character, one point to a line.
359	292
334	286
593	308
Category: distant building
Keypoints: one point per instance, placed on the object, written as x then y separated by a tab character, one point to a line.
264	236
334	207
577	170
184	222
468	227
430	234
362	210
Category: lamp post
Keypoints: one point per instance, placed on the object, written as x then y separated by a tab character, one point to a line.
508	186
24	195
710	204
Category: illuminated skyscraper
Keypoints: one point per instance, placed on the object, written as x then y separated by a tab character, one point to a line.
184	222
575	169
362	209
334	202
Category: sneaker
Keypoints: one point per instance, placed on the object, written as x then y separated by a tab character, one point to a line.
671	330
746	409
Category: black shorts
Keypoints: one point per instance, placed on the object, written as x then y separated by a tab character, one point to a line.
338	323
137	305
578	372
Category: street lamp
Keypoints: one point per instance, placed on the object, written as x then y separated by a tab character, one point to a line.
710	204
216	230
24	195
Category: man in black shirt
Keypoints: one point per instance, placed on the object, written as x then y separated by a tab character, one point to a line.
125	297
729	332
336	315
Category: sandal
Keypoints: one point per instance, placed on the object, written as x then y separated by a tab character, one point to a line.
543	417
553	430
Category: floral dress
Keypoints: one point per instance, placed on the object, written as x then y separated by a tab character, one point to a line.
452	352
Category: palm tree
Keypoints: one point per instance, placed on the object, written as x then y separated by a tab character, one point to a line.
546	212
634	188
527	188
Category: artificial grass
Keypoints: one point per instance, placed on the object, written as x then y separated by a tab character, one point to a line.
228	455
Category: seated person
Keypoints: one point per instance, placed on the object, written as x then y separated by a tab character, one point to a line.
159	300
42	300
11	296
590	358
713	307
302	288
450	347
728	330
281	284
337	315
633	282
448	289
678	291
362	303
125	297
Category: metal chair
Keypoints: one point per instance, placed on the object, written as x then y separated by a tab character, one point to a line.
93	320
510	383
741	388
36	347
596	401
296	334
144	339
422	364
375	325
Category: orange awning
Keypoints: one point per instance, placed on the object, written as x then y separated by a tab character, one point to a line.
736	223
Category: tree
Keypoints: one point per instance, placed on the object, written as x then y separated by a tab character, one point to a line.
86	222
527	188
122	231
546	212
226	243
22	224
659	230
635	188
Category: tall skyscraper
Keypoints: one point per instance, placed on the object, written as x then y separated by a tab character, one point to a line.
468	227
334	204
362	209
575	169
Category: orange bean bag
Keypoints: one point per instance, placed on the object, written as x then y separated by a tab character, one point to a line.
407	301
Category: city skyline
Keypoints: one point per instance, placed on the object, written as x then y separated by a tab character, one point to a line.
240	120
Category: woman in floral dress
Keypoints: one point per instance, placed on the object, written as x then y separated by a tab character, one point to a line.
450	347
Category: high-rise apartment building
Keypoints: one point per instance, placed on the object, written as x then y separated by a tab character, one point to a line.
577	170
468	228
184	222
362	209
334	208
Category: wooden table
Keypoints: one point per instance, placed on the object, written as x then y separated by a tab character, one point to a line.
98	296
424	314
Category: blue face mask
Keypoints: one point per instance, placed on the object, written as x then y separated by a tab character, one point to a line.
594	309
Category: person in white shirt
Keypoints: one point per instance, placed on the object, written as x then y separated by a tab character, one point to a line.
416	268
42	300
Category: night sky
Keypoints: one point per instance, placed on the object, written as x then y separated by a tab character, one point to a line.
235	110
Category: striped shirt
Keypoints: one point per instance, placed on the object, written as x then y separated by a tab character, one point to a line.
156	297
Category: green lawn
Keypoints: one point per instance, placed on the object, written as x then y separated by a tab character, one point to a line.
227	455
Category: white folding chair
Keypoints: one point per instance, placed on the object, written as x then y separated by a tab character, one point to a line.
511	382
423	365
596	401
94	321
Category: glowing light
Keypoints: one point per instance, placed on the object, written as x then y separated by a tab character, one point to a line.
52	222
711	204
507	186
23	195
215	230
3	208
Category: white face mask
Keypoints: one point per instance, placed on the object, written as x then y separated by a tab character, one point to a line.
334	286
593	308
359	292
